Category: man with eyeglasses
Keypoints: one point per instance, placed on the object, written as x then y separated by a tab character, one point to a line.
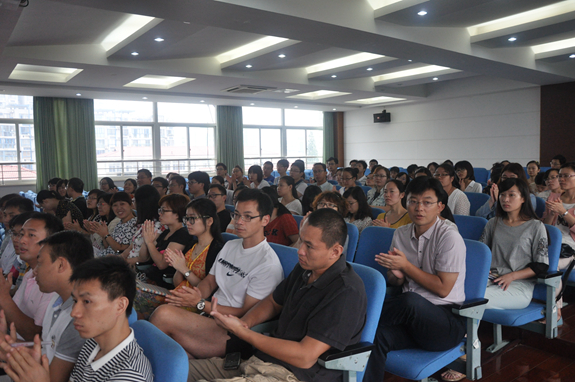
282	166
558	161
427	259
245	272
198	184
320	176
12	208
218	194
144	177
332	163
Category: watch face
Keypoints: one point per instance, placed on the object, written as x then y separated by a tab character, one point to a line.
201	305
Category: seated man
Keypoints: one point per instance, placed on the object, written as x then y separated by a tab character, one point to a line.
75	191
322	304
245	271
103	294
427	258
14	206
60	255
198	184
143	177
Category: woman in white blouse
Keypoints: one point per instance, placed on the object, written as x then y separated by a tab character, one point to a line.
467	183
457	202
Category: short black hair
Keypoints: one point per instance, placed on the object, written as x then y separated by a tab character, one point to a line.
7	197
201	177
334	159
147	203
425	171
540	179
220	179
265	205
321	164
162	180
76	184
110	182
54	181
146	172
561	158
256	169
179	180
333	227
222	165
52	223
374	160
220	188
114	274
363	164
270	163
283	163
23	204
465	165
394	168
121	197
75	247
309	195
411	168
421	184
45	194
20	219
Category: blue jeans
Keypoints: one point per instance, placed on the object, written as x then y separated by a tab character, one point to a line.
410	321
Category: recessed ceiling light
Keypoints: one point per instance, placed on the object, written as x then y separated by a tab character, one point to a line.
435	78
422	13
333	76
334	109
144	97
202	100
158	39
252	104
248	66
186	22
135	53
369	69
572	56
295	107
78	94
410	60
512	39
282	55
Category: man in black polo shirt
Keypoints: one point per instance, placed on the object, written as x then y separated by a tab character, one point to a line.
322	304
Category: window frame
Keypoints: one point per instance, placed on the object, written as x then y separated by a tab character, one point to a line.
18	163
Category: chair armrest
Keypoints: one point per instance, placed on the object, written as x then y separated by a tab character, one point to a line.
266	327
353	358
550	275
360	347
550	279
471	308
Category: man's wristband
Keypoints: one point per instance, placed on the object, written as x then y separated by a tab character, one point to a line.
565	214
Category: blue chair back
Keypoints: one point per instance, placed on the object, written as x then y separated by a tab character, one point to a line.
365	189
169	360
230	208
288	257
477	264
229	236
554	250
540	207
481	174
470	227
337	187
334	182
133	316
298	219
476	200
373	240
375	212
353	237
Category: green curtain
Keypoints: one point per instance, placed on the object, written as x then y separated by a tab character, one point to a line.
65	140
328	135
230	136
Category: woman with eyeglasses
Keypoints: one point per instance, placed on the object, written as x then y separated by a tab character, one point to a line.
106	215
348	179
288	195
91	204
466	175
397	216
458	202
237	178
298	175
375	197
551	179
282	227
359	213
107	185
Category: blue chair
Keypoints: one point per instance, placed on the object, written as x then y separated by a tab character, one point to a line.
476	200
229	236
481	174
365	189
546	308
334	182
337	187
298	219
470	227
230	208
133	317
353	237
375	212
418	364
373	240
354	358
288	257
540	207
169	360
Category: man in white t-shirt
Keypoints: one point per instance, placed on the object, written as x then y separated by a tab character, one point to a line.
244	272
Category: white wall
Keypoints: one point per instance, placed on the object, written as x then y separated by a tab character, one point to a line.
14	189
455	124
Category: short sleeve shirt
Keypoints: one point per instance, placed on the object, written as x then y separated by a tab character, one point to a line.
30	300
122	234
58	329
65	206
279	229
439	249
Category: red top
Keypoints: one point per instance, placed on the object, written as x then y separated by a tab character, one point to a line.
279	230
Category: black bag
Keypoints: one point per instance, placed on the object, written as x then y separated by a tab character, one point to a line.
566	251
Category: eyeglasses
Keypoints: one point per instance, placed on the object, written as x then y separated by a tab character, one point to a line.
101	204
504	177
424	204
192	182
326	205
437	175
550	178
380	176
16	235
318	171
346	179
213	196
553	163
565	176
351	203
161	210
192	219
245	218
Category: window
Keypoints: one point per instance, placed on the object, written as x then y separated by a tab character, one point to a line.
129	137
17	146
299	137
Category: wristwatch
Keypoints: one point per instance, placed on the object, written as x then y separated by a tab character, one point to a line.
201	305
565	214
187	274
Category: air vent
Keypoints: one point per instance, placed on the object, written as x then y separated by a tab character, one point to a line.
248	89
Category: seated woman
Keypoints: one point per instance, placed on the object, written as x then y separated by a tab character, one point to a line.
130	186
338	175
553	186
288	195
375	197
540	183
218	180
432	166
369	182
91	204
422	171
172	211
333	200
62	188
256	178
512	170
403	178
397	216
237	178
533	169
106	217
359	213
53	203
467	183
458	202
107	185
282	228
309	195
120	238
348	179
297	173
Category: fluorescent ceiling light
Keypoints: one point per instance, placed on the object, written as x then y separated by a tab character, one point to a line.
130	26
320	94
157	82
374	100
252	47
43	73
531	16
422	13
344	61
545	49
410	73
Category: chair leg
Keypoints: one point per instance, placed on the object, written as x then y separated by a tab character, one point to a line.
349	376
498	342
551	313
473	350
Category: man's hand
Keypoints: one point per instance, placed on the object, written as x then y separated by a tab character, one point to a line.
6	339
27	365
230	323
184	296
394	260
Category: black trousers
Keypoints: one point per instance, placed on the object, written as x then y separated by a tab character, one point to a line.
410	321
